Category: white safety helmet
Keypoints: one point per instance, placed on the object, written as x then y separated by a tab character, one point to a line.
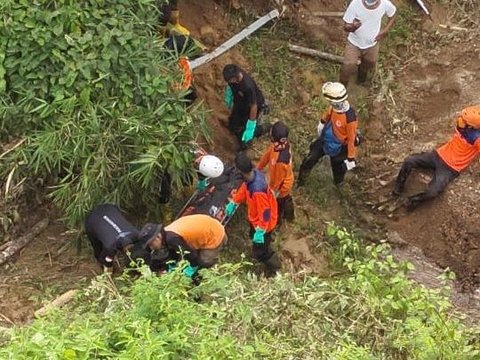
210	166
334	92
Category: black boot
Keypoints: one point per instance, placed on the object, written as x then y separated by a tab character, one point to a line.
272	265
414	201
397	189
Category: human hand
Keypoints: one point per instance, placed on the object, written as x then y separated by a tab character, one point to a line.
350	164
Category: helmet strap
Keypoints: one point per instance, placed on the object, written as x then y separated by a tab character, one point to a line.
341	107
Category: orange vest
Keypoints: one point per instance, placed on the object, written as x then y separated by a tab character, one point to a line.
198	231
261	203
459	152
344	127
280	169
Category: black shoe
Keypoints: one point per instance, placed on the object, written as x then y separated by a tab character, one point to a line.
272	266
413	202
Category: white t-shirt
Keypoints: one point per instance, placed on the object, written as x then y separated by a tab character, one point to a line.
371	20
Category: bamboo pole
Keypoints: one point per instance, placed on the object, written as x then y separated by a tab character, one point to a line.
227	45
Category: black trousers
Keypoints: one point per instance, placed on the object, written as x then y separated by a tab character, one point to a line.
286	210
442	175
337	162
237	121
262	252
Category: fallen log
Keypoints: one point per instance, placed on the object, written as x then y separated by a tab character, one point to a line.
57	303
450	27
316	53
19	244
327	14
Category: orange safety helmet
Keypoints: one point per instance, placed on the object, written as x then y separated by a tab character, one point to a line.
470	117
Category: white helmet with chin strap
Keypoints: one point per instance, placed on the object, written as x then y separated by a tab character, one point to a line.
210	166
334	92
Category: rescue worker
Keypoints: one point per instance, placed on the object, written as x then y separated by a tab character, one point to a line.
207	166
247	104
261	209
337	136
179	46
447	161
363	22
195	238
278	158
108	232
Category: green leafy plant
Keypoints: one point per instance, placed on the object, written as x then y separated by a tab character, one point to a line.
93	90
372	311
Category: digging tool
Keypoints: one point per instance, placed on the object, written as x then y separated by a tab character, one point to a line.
227	45
424	8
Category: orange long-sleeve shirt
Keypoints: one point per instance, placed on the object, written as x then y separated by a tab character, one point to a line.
261	203
344	127
280	171
462	149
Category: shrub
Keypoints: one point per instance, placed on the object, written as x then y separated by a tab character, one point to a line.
90	85
371	312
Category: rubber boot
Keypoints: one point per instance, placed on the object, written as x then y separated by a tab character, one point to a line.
272	265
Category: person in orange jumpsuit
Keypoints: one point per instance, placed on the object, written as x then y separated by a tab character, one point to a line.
278	158
447	161
337	136
196	238
261	209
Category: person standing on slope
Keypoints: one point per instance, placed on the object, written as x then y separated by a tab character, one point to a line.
337	136
278	159
447	161
261	210
363	22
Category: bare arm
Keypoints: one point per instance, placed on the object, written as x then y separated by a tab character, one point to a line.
386	29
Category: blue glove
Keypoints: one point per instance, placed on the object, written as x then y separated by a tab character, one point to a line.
230	208
249	132
259	236
190	271
228	97
202	184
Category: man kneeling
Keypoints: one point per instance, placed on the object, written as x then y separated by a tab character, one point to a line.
195	238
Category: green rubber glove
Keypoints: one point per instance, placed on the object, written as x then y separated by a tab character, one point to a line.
259	236
202	184
230	208
228	97
190	271
249	132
